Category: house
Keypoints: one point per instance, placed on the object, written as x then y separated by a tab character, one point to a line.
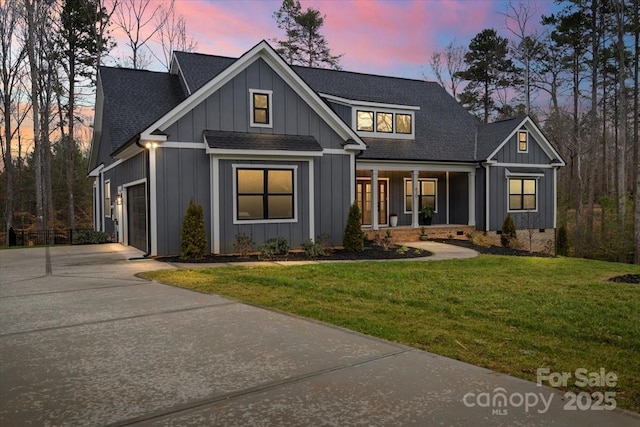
273	150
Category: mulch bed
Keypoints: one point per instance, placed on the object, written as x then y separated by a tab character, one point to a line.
634	279
370	253
492	250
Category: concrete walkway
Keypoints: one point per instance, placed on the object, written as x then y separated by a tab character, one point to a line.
84	342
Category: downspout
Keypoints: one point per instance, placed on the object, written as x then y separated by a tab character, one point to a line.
148	196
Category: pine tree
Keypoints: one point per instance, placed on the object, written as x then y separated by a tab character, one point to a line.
353	234
489	70
193	244
562	242
304	45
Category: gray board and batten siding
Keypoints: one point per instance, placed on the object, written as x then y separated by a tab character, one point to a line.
228	110
129	171
534	156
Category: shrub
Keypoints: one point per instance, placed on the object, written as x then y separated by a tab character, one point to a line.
274	246
324	240
193	236
508	238
562	242
479	238
85	237
402	250
244	244
353	234
312	249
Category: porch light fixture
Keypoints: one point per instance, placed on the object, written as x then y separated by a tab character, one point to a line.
151	145
119	199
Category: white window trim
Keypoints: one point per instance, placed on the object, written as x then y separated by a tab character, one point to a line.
404	192
294	168
387	135
107	209
536	178
518	141
269	94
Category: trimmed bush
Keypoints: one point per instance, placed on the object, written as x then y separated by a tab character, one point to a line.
244	244
193	236
312	249
562	242
353	235
274	246
508	238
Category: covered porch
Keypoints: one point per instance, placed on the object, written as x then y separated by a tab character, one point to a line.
449	189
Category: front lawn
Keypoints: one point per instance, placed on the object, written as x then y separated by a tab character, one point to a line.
509	314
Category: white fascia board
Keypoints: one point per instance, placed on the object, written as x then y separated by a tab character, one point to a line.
128	152
176	69
424	167
355	102
265	51
508	173
263	153
96	171
540	138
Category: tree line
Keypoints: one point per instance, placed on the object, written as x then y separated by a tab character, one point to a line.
576	74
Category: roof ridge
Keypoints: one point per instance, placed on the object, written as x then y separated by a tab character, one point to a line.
132	69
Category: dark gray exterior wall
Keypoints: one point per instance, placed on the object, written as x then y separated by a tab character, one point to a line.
181	173
343	111
509	153
498	197
130	170
332	195
228	110
294	232
459	198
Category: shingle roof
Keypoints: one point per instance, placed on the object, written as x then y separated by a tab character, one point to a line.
490	135
445	131
260	141
134	99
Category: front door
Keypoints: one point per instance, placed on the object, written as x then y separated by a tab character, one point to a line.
365	198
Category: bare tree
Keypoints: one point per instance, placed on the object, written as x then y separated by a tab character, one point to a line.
447	65
622	114
139	21
636	132
11	62
172	34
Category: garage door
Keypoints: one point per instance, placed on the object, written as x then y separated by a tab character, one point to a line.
137	216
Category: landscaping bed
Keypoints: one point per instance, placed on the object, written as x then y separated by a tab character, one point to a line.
492	250
372	252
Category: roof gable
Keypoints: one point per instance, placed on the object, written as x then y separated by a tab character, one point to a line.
505	131
265	52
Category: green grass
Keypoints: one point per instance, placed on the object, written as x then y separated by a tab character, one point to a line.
509	314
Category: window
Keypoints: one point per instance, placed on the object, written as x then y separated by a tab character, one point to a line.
522	194
384	122
264	194
403	123
427	194
364	121
107	199
523	142
260	101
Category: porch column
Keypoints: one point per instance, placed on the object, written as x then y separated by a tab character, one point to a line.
472	198
415	223
448	194
374	199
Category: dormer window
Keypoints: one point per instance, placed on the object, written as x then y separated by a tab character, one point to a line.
260	110
365	121
523	141
383	123
403	123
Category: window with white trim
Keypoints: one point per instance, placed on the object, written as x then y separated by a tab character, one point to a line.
264	194
523	194
523	141
260	108
107	199
427	194
384	123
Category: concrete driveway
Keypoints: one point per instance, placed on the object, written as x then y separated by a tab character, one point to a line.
84	342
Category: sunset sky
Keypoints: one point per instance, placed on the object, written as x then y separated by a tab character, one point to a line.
392	37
